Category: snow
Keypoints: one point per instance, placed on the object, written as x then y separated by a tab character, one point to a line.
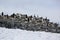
17	34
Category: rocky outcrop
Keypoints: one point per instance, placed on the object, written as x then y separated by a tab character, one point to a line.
31	23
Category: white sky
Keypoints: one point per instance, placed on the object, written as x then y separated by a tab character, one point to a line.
44	8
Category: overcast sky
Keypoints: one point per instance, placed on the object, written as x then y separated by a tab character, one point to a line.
44	8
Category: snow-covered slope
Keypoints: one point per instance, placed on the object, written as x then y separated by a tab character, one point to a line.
17	34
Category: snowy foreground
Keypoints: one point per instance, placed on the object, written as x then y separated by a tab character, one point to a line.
17	34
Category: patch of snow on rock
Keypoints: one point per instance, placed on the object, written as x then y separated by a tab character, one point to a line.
17	34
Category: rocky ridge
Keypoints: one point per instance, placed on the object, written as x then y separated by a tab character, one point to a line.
31	23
